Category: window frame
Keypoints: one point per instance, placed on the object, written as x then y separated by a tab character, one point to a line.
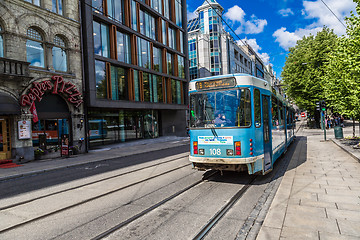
39	41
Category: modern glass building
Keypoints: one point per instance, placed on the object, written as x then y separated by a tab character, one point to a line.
212	50
135	69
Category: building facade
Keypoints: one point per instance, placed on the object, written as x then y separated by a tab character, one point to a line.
213	51
135	68
40	78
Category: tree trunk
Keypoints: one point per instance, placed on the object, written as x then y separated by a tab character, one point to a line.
353	126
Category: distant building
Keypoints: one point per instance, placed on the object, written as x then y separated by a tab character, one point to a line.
40	66
212	50
136	69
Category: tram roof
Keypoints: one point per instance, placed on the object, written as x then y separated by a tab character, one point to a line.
241	79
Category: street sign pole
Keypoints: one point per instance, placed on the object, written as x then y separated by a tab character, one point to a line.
323	123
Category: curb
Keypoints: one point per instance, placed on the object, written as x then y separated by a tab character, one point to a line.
78	164
346	150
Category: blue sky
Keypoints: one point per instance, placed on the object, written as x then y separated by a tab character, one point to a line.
271	27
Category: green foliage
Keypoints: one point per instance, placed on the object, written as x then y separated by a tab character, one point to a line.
343	70
305	67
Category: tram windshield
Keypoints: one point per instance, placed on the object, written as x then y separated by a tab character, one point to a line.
229	108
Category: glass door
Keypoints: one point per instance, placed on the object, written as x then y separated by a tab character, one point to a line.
5	146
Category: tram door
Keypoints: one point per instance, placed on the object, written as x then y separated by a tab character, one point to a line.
267	129
5	148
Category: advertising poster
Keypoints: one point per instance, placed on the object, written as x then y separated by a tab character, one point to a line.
24	129
65	145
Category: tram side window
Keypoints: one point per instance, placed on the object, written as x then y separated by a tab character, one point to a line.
243	113
281	112
274	112
257	108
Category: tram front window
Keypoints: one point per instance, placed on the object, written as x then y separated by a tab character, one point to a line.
230	108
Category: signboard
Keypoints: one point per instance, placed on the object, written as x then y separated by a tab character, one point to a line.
211	140
214	84
24	129
65	145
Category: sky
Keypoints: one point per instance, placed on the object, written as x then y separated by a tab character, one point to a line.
272	27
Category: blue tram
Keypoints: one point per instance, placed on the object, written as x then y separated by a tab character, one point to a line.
238	123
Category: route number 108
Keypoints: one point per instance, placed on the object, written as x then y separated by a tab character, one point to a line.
215	151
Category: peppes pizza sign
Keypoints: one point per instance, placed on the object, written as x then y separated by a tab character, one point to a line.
57	86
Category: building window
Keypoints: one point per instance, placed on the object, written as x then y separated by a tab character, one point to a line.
97	6
136	86
101	40
144	57
164	38
1	42
157	5
181	42
147	25
181	66
158	85
176	91
178	12
119	89
59	54
148	94
169	58
35	48
57	6
35	2
115	9
100	78
172	38
157	58
133	15
166	9
123	47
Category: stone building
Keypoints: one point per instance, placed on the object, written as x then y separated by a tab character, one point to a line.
41	66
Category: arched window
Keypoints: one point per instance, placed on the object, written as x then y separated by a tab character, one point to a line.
1	42
35	48
59	54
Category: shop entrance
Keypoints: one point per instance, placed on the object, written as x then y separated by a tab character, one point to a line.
5	141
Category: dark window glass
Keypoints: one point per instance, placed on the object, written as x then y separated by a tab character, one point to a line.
169	57
123	47
119	83
274	112
147	87
157	58
57	6
257	108
100	77
97	6
144	53
101	39
115	9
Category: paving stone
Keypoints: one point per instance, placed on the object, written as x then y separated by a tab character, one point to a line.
309	210
349	227
310	203
332	236
343	214
347	206
295	233
268	233
338	198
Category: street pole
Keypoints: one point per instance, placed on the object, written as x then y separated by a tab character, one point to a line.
323	123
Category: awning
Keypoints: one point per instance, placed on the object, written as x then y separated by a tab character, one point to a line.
8	105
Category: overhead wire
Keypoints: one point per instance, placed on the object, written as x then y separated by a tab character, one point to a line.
333	13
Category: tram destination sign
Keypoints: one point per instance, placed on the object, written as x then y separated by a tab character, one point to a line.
214	84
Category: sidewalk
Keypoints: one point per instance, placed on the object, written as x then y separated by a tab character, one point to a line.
100	154
318	197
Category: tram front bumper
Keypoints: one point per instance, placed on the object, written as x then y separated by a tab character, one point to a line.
208	160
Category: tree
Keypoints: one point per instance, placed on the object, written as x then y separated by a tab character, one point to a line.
343	71
305	66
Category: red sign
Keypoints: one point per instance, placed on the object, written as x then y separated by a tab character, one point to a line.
34	112
66	88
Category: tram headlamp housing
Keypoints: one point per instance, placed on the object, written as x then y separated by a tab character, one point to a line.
201	151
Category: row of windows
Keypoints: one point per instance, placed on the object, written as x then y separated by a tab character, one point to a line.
57	5
114	9
117	83
148	56
1	43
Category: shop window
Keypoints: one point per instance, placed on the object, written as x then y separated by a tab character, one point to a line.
59	54
144	57
157	59
119	89
47	133
57	6
35	48
123	47
35	2
100	77
115	9
101	39
1	42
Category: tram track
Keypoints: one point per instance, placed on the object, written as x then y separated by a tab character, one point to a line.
32	220
88	184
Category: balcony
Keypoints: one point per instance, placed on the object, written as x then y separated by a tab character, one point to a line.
13	69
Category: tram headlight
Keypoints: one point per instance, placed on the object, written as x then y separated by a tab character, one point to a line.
201	151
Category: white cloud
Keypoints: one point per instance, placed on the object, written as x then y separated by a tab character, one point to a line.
322	16
190	15
237	15
286	12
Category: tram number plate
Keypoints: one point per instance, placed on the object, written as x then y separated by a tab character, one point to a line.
215	151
